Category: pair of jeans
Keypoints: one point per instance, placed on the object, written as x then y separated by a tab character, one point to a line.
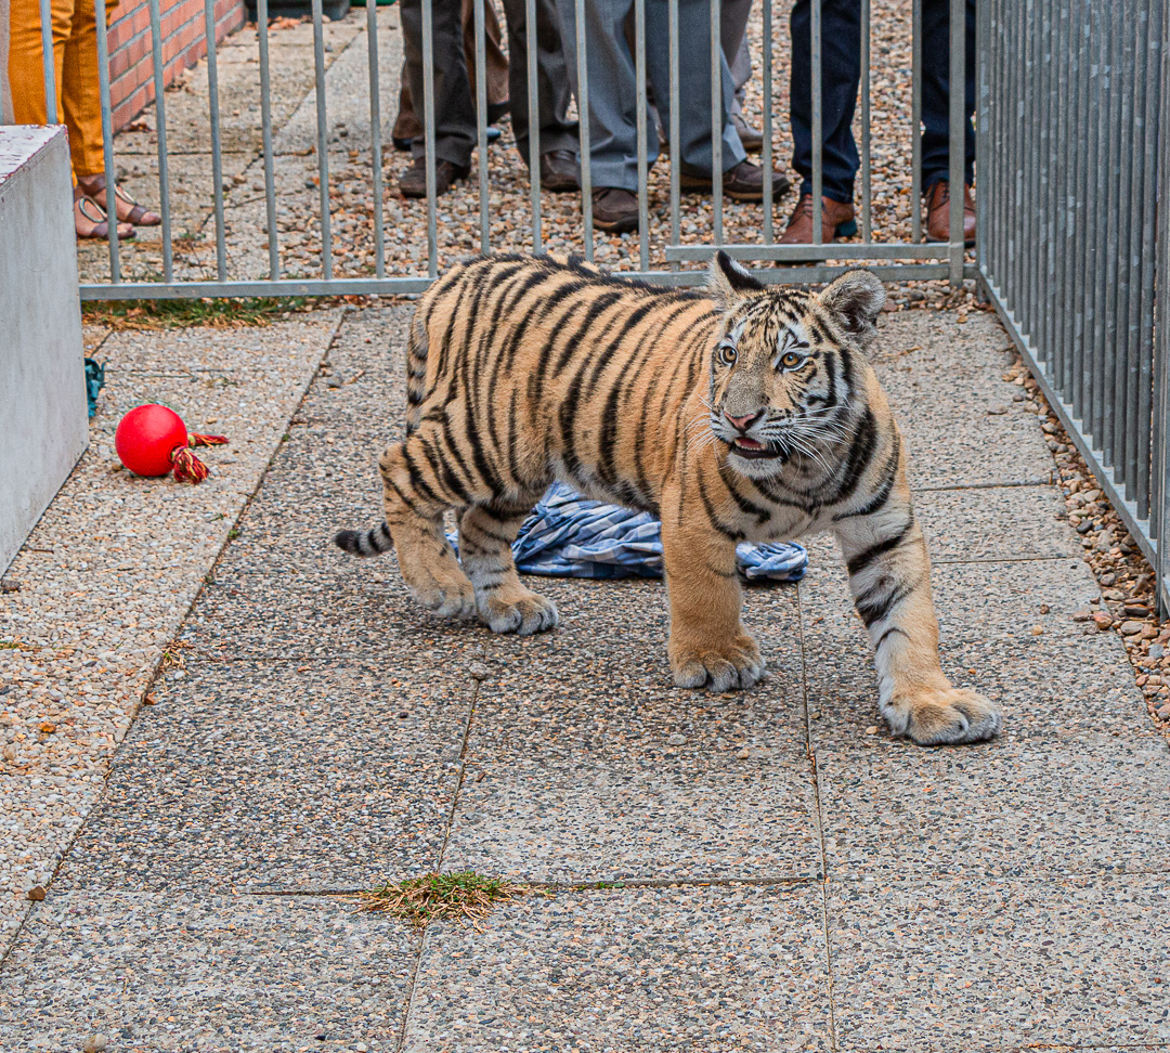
841	77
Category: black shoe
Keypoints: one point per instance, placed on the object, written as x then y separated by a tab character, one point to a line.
413	181
615	209
559	171
401	145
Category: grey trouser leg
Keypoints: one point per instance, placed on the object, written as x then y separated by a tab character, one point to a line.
733	35
557	132
454	111
612	85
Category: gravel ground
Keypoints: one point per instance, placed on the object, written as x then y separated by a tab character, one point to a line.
350	183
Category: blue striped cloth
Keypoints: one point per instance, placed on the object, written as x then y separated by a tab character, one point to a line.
570	536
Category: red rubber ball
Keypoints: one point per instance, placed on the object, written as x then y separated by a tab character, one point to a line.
146	436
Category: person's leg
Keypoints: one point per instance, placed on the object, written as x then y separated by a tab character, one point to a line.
454	112
733	18
81	101
25	70
613	128
557	132
840	78
693	90
406	125
936	75
496	64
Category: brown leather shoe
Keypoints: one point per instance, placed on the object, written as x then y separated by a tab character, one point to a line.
751	138
938	213
559	171
413	181
836	221
615	209
744	182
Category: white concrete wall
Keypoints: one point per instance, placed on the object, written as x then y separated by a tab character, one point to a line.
43	424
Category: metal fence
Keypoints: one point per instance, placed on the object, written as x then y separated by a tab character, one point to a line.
1073	118
660	250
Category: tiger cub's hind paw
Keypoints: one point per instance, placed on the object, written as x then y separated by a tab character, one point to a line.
521	611
949	717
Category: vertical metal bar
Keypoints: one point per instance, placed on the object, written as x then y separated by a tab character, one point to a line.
322	140
1161	429
958	142
266	135
1119	346
916	122
48	60
1026	250
533	122
428	42
1013	114
766	156
716	7
818	117
103	50
1063	164
672	33
216	144
583	127
1156	172
481	108
982	149
1108	239
640	104
866	172
160	120
1042	211
375	137
1085	204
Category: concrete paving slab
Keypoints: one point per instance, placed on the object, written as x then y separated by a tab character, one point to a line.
270	776
1093	804
175	972
994	524
989	965
1029	677
604	774
1006	600
717	968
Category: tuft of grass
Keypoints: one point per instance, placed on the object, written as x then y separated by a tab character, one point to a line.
185	314
465	895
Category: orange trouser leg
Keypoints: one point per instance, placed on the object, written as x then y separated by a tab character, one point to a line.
75	70
81	98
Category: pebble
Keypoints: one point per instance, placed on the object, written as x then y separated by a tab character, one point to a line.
1131	628
36	893
1103	619
676	739
1082	615
1157	650
95	1044
478	671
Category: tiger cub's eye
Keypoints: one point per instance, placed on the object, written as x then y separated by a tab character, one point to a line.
791	359
725	353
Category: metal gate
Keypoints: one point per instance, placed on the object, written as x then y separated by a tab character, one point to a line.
1074	108
664	249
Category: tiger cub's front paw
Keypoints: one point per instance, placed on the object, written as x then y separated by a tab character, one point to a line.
718	668
943	717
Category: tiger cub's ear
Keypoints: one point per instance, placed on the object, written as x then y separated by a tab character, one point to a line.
855	300
728	282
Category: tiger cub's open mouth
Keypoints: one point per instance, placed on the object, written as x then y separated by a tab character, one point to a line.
753	449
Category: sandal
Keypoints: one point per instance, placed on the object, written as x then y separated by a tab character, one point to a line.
88	211
131	213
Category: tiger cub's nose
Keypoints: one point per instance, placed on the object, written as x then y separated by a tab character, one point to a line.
743	423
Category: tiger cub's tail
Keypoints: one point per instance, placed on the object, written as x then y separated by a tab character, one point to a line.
365	542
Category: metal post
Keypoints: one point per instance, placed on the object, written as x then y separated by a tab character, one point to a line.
583	127
103	50
818	146
322	140
533	121
640	105
375	137
216	143
481	108
428	42
266	135
160	120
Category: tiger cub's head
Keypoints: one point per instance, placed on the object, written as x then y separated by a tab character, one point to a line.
783	370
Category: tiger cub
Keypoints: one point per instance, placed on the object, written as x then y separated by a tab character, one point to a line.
739	412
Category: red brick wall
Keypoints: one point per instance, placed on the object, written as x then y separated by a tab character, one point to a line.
183	44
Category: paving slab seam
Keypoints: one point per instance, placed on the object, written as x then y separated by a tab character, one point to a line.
983	486
816	789
165	652
422	942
